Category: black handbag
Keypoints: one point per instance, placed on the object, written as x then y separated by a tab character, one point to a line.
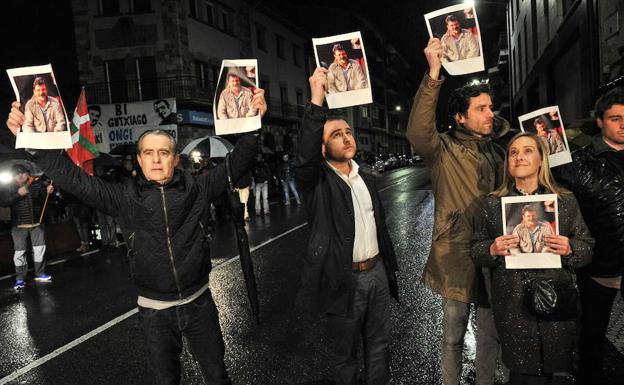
552	300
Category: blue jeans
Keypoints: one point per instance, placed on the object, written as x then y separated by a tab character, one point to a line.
290	184
198	321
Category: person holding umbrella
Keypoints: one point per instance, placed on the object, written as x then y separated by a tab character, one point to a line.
27	201
159	213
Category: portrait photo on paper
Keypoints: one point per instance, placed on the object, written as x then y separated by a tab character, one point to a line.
547	124
46	125
348	80
457	27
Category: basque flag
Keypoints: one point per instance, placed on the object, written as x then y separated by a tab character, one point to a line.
83	139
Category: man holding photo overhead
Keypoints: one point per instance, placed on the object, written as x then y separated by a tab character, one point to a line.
235	100
43	113
344	74
458	43
349	271
465	164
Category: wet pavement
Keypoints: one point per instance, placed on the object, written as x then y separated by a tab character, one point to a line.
83	327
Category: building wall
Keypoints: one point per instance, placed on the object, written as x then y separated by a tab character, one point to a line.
611	17
554	59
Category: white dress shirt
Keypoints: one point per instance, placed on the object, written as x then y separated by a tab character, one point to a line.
365	244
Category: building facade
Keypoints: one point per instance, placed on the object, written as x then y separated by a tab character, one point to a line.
139	50
555	54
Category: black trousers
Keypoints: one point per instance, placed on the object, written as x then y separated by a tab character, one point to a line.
371	321
527	379
596	304
198	321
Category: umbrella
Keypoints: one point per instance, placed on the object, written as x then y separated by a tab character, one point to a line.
105	160
32	168
243	244
124	149
208	147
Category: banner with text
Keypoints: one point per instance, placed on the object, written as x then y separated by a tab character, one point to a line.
121	123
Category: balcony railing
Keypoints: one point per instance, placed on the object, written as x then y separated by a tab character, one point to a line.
184	87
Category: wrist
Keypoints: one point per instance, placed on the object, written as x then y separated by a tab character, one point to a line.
318	101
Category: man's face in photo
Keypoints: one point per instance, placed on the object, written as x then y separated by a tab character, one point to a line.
234	83
540	127
162	109
453	27
40	92
529	218
341	57
94	116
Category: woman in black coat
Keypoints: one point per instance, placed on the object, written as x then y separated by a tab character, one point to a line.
533	348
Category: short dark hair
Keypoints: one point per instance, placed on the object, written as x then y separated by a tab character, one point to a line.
39	80
162	101
529	208
450	18
606	101
336	114
94	107
337	47
459	101
538	120
20	169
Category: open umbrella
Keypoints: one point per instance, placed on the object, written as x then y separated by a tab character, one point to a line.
208	147
243	243
124	149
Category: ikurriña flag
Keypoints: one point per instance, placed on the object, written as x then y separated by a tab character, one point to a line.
83	139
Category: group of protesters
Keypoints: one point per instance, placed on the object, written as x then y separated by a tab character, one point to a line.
350	267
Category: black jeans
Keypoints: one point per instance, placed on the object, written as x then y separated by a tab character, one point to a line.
596	304
199	322
371	320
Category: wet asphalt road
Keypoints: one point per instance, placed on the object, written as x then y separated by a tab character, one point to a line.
91	292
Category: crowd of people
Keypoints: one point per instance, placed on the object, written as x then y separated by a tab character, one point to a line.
349	274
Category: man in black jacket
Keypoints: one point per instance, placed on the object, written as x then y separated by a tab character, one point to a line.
596	176
349	270
27	204
159	213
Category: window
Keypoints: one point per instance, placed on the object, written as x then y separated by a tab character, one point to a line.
279	46
261	37
299	96
201	73
296	55
109	7
283	95
146	77
364	110
140	6
226	24
208	14
115	75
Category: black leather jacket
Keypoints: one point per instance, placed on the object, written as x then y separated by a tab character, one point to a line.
169	259
596	176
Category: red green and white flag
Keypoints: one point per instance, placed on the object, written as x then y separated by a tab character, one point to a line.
83	139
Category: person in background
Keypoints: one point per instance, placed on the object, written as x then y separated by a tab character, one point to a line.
286	176
261	176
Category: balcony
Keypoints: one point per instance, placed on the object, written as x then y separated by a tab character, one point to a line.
184	87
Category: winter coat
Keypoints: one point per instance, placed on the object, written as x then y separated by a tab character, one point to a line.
529	345
327	283
261	172
26	210
463	167
161	223
596	176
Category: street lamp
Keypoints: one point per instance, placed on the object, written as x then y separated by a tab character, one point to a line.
6	177
397	108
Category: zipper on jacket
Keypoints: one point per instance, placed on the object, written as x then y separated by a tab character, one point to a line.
175	272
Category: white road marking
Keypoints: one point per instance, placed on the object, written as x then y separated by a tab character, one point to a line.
108	325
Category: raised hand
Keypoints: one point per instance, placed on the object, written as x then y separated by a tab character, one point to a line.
318	86
16	118
258	101
433	53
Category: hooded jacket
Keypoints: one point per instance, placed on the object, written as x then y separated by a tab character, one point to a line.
463	167
168	250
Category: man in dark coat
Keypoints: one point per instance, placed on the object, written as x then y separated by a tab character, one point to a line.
349	270
27	201
159	213
596	176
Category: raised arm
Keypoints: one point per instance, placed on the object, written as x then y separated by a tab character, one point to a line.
421	127
309	154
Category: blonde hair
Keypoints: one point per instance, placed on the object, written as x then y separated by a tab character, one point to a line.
544	176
